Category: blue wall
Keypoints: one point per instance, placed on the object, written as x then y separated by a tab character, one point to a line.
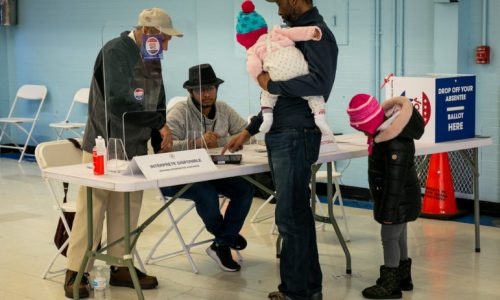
56	41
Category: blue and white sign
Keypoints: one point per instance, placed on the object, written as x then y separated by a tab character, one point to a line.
446	102
455	108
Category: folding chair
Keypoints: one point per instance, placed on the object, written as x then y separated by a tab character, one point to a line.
25	92
81	97
185	247
321	176
54	154
174	100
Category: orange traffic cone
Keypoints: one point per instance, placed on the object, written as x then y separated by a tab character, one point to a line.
439	198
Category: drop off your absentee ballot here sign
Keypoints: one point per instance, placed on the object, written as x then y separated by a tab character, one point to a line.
446	102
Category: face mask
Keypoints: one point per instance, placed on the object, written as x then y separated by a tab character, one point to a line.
151	48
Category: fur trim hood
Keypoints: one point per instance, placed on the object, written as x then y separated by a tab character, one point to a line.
403	120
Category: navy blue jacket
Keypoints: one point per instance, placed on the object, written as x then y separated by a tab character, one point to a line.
291	111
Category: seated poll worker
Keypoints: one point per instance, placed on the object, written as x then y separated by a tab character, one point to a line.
217	123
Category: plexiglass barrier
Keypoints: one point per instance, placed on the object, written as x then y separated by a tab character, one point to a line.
209	89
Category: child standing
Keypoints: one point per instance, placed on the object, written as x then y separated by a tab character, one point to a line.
275	53
391	128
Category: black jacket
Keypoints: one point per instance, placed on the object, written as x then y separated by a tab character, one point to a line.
391	169
125	90
291	110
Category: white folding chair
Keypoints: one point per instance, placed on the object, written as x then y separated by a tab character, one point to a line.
54	154
174	100
321	176
17	116
80	97
185	247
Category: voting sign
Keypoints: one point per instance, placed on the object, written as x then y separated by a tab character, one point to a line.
446	102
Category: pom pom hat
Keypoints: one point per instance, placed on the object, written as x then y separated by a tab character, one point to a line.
250	25
365	113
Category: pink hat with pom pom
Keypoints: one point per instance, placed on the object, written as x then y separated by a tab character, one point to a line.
250	25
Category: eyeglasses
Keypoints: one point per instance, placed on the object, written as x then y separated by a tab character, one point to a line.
205	89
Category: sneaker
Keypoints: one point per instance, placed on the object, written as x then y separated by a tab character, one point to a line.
240	243
120	276
222	255
83	290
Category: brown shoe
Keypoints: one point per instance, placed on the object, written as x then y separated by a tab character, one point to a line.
120	276
84	288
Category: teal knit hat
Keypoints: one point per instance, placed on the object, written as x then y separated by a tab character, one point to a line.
250	25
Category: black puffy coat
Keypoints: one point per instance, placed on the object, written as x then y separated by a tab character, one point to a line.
391	169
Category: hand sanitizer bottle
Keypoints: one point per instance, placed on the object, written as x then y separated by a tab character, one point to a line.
99	156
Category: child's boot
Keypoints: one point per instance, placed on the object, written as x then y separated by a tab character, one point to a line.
387	287
405	275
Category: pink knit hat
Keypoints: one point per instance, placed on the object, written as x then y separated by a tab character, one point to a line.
365	113
250	25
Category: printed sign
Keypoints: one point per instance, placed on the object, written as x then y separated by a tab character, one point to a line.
446	103
165	165
455	103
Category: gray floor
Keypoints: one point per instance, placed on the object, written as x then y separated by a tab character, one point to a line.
445	265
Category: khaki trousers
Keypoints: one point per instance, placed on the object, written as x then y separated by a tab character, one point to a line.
105	203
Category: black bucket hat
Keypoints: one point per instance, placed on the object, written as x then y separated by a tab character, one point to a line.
207	75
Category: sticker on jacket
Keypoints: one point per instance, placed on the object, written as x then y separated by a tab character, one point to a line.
138	94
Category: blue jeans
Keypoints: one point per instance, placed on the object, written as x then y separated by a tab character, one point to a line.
291	153
206	197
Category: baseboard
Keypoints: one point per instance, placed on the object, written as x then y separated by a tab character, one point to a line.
29	149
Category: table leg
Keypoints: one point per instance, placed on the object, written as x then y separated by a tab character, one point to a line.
474	166
128	256
332	219
475	169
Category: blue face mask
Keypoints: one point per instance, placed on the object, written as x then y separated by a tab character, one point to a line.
152	48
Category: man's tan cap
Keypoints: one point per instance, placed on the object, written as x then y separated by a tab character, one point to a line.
159	19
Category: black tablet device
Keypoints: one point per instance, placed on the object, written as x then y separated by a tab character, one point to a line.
226	159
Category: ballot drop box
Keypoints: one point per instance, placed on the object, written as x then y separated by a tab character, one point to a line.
446	102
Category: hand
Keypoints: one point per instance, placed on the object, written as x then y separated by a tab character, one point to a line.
236	143
263	80
167	141
210	138
317	34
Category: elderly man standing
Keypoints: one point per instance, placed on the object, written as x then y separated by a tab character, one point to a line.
123	82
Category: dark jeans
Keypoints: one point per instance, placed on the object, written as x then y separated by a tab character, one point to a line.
206	196
291	153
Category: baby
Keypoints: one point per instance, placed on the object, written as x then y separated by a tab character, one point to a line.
275	52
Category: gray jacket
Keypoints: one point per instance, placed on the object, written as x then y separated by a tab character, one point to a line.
186	123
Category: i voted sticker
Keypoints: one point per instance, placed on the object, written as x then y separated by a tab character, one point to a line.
138	94
152	45
152	48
